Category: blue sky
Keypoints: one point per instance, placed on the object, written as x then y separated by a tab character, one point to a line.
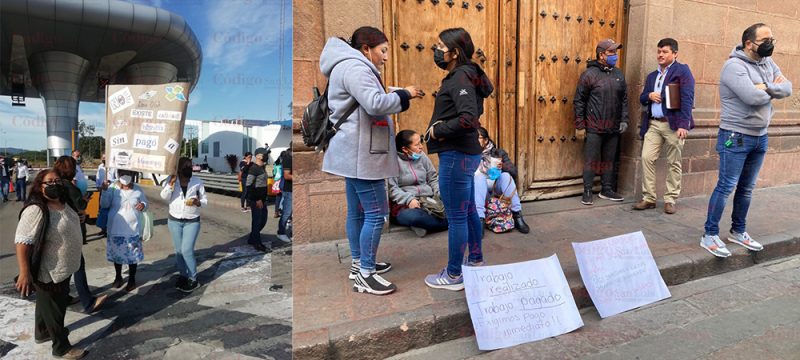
241	74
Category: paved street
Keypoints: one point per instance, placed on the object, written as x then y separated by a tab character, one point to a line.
745	314
243	310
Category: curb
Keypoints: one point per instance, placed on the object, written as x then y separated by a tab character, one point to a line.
397	333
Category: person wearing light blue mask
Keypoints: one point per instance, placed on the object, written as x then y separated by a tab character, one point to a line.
416	187
601	115
498	174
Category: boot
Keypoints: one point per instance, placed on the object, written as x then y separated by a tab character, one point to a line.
519	222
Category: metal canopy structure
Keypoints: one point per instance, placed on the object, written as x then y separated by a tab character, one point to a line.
67	51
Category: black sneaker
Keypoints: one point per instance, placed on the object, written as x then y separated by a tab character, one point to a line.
587	198
181	282
610	195
189	286
373	284
519	222
380	268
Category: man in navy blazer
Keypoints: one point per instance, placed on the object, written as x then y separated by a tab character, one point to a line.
662	127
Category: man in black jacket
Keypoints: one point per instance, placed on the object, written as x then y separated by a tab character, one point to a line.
256	182
5	176
601	115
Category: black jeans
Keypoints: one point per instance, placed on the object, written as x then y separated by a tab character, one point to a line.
259	220
599	153
51	308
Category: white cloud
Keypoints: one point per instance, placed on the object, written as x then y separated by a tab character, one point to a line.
241	30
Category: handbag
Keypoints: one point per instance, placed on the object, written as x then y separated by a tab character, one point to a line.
147	225
35	256
433	205
276	187
498	213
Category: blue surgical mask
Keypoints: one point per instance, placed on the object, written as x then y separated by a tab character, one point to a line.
494	173
416	156
612	60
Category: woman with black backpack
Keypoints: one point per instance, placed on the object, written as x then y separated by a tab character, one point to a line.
453	134
48	243
361	151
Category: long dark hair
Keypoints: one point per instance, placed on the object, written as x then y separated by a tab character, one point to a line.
484	133
458	38
367	35
403	139
65	167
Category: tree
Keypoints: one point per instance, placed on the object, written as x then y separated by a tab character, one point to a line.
92	146
85	129
186	144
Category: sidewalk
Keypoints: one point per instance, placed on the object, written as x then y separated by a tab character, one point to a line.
330	321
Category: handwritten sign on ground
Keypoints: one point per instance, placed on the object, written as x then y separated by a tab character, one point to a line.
517	303
142	125
620	273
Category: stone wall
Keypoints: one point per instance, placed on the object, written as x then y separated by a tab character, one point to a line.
706	30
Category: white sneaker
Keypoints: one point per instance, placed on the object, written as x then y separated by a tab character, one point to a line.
284	238
745	240
714	245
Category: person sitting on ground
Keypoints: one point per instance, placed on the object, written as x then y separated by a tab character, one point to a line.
502	183
49	227
125	202
414	194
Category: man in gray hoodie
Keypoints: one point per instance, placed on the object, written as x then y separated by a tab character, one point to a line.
749	81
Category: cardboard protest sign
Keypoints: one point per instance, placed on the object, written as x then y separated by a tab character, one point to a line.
144	126
620	273
517	303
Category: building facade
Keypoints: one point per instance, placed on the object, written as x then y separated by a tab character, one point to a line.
219	138
534	51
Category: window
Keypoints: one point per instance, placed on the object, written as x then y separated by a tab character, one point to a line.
216	148
204	147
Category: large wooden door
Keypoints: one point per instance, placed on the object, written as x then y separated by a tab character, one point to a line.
413	27
564	35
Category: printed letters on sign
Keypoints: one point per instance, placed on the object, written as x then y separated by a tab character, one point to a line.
169	115
120	100
141	114
148	162
120	139
147	142
154	127
121	158
171	146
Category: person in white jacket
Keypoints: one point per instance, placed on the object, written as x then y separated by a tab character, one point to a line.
125	202
186	195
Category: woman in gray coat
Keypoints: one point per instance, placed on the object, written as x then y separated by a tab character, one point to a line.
361	151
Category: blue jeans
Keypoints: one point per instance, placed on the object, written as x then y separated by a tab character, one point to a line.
5	181
738	166
286	212
19	187
258	219
421	219
457	187
503	185
367	208
184	236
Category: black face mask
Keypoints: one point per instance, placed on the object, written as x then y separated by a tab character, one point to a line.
438	58
186	172
54	191
765	49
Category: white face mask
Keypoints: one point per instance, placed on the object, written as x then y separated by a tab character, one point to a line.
125	180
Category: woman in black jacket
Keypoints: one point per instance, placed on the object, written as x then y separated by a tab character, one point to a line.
453	134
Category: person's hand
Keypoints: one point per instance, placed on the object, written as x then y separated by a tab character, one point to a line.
655	97
415	92
623	126
172	180
104	185
259	204
24	284
779	80
140	206
414	204
682	133
761	86
580	133
82	216
195	202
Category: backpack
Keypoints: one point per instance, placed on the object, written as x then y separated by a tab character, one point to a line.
498	214
316	126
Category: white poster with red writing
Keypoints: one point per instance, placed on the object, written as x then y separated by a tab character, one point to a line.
620	273
143	126
517	303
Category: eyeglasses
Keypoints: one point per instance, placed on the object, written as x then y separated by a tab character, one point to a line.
52	182
765	40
